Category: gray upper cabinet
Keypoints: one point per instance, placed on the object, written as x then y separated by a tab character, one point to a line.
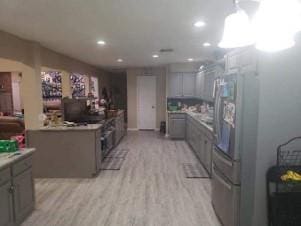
189	84
24	195
181	84
175	85
199	84
6	205
204	84
209	84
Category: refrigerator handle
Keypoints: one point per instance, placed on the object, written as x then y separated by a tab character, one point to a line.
217	111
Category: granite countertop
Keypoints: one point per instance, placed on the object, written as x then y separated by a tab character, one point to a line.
74	128
196	116
7	159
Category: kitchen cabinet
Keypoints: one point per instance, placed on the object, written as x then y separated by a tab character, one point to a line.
204	84
23	195
6	205
199	89
119	127
189	84
208	85
16	190
181	84
175	85
200	139
177	125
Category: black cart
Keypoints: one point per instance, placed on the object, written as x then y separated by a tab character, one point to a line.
284	197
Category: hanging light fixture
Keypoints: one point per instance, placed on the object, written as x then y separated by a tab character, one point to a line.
238	30
276	24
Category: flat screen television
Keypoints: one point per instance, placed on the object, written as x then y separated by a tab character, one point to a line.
74	109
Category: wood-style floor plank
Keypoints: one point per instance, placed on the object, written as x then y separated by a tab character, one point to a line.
149	190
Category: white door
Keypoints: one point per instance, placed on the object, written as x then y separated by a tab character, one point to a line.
146	90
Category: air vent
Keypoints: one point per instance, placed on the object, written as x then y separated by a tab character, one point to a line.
166	50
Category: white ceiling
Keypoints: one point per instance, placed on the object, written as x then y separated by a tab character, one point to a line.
132	29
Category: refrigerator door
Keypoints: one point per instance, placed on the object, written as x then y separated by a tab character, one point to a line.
227	114
225	199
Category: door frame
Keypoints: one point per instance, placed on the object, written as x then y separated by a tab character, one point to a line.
138	101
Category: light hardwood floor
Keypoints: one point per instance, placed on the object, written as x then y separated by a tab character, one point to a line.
149	190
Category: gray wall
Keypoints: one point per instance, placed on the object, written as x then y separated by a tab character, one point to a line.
279	115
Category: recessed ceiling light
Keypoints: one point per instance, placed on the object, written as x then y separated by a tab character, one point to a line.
119	60
206	44
155	56
190	59
101	42
199	24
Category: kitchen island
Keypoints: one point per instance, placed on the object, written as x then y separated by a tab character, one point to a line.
66	152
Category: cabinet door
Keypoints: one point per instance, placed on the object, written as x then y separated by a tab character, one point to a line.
6	205
209	83
207	153
98	151
199	89
177	128
189	84
175	85
23	195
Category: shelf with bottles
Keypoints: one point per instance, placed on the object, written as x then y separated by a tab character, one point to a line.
51	85
78	84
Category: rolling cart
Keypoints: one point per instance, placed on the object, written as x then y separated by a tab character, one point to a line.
284	196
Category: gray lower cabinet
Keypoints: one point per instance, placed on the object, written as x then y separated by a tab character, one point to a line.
119	127
200	140
23	195
177	128
6	205
16	193
177	125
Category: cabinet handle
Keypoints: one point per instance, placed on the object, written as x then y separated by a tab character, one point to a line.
11	189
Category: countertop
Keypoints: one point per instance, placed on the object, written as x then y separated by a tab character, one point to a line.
196	116
7	159
74	128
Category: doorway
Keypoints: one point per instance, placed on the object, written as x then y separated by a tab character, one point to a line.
146	90
10	97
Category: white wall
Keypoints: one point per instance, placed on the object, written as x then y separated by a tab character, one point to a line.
279	115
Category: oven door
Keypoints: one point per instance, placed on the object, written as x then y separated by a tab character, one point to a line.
225	199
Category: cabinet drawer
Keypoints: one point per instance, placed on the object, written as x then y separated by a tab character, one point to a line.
4	175
177	115
22	165
225	199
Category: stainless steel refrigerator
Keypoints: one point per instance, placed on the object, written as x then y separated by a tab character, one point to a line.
235	102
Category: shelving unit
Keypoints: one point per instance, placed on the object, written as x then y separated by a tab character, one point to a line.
78	85
51	85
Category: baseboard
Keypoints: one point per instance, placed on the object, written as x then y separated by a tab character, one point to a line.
132	129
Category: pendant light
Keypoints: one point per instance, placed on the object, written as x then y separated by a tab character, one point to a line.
276	24
238	30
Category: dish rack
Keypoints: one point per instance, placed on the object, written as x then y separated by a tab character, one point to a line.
284	197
